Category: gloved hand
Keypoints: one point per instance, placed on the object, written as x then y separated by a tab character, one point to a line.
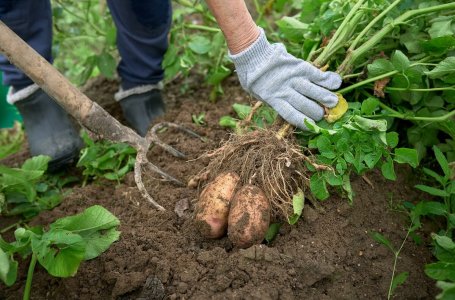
294	88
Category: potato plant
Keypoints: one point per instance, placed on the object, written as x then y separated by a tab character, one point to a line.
397	61
62	248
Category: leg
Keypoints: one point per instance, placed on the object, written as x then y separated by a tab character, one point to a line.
142	30
142	40
49	129
32	21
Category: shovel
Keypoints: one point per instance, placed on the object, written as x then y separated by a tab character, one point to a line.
88	113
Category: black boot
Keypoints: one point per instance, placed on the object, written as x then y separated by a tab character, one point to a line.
49	130
140	110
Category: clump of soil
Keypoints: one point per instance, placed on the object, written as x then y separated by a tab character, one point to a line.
329	254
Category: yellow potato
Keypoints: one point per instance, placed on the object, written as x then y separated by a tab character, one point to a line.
335	113
249	217
212	209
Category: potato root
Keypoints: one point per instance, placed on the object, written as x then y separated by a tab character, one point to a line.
213	207
249	217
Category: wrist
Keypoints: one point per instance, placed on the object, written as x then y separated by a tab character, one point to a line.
243	39
254	55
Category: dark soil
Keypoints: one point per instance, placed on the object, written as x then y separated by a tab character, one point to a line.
329	254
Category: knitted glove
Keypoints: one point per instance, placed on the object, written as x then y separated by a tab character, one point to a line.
294	88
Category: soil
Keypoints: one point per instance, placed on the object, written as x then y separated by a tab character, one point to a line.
328	254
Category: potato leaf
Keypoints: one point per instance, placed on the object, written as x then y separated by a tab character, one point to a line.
8	268
59	251
96	226
298	202
399	280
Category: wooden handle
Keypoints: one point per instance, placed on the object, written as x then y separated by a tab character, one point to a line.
43	74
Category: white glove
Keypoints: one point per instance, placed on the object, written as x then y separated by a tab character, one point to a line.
293	87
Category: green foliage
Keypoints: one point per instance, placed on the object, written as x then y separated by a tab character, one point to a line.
84	39
197	45
105	159
28	190
198	119
354	144
444	248
61	249
11	140
262	117
396	279
298	203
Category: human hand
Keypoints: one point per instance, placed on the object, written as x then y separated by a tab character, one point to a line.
294	88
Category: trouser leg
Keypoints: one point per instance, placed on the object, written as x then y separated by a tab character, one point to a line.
32	21
142	39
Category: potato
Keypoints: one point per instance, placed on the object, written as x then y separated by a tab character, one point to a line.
249	217
213	207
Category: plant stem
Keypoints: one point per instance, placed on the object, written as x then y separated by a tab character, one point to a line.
376	38
366	81
202	27
28	283
397	253
345	24
371	24
8	228
446	88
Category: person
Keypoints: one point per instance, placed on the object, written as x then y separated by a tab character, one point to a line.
294	88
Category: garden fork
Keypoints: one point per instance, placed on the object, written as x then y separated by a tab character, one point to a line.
88	113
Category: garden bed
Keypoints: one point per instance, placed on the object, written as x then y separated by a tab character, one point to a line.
329	254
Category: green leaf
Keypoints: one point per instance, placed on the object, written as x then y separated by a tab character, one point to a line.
406	156
399	280
442	161
425	208
8	271
59	251
387	170
36	163
448	290
324	144
369	105
292	28
400	61
441	28
318	187
96	225
379	67
199	44
444	241
382	240
392	139
111	35
444	68
298	202
228	121
106	64
333	179
272	232
370	125
432	191
439	45
241	110
348	188
441	271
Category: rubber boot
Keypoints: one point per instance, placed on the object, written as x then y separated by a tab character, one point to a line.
140	110
49	130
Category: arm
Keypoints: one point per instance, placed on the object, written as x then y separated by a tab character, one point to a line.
296	89
236	23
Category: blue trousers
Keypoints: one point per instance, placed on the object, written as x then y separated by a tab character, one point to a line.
142	30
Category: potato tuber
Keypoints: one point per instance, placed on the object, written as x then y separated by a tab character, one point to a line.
213	207
249	217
